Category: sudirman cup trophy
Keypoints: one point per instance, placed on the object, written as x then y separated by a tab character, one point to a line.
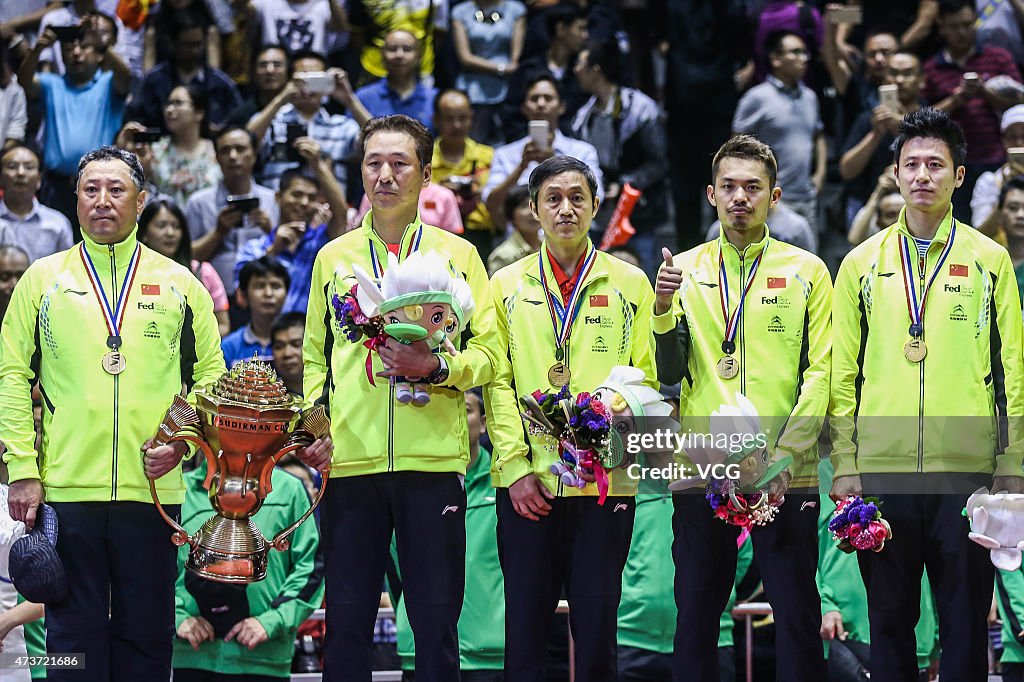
244	424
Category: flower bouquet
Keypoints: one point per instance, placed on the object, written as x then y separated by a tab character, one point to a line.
858	524
745	510
580	425
356	325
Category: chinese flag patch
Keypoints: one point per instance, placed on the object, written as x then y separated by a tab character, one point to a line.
599	301
776	282
957	270
150	289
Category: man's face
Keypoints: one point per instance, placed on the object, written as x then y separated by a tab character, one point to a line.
454	116
789	63
574	34
265	294
958	31
877	50
401	53
475	420
235	154
542	103
904	71
108	203
12	267
742	193
286	346
565	207
1013	136
188	48
271	71
889	210
81	58
19	173
586	75
1012	214
305	101
298	201
525	221
926	175
392	176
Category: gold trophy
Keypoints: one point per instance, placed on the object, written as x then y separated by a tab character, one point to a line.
244	424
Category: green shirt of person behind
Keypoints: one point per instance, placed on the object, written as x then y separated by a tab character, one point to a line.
293	588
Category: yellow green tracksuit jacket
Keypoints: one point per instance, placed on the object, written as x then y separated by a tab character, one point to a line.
373	432
613	328
783	344
890	415
93	422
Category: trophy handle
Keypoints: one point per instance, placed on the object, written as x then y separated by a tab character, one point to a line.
180	536
281	541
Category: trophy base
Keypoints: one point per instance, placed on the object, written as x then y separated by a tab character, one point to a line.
229	551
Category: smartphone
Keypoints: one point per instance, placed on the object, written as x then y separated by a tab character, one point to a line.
1016	156
316	82
971	77
293	132
68	34
243	202
889	95
847	15
539	131
147	136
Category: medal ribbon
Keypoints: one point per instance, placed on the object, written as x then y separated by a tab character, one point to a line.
732	321
567	315
915	308
378	267
114	318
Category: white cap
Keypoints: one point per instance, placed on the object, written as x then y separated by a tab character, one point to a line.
1014	114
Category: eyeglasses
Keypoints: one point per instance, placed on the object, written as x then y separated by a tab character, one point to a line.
482	17
177	104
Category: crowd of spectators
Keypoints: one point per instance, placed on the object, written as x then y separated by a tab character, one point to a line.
245	115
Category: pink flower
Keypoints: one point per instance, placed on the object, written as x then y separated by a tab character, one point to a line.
599	408
582	397
537	395
879	531
853	530
843	504
864	540
740	520
722	513
359	318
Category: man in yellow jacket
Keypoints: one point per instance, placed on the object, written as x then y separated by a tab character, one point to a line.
566	316
110	330
926	367
748	314
398	468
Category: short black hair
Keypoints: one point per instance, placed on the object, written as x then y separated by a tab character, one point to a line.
293	174
541	75
304	54
23	145
287	321
263	50
422	140
1014	183
183	254
234	128
563	13
929	122
478	393
750	148
200	97
953	6
111	153
516	196
186	21
109	19
773	43
606	56
561	164
261	267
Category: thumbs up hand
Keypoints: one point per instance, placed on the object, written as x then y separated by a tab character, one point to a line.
670	278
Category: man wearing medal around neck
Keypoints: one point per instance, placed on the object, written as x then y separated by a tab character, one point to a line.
926	366
398	468
111	331
748	314
566	315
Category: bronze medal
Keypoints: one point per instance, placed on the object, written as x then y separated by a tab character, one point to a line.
915	350
113	362
728	367
558	375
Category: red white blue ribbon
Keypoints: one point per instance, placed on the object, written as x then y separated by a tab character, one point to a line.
732	321
914	306
114	317
563	318
378	267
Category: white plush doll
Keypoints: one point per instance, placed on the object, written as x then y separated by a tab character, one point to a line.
419	300
997	523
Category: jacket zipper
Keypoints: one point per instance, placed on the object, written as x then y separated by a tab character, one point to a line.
920	404
391	424
743	323
113	289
